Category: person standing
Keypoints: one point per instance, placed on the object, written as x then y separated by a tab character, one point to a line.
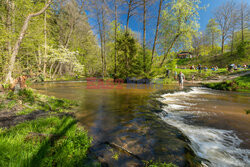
181	78
175	75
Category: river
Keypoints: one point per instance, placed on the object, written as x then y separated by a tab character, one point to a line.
195	126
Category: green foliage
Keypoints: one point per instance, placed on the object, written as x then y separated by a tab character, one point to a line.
127	52
27	96
68	148
243	49
158	164
247	111
179	25
241	84
25	111
57	105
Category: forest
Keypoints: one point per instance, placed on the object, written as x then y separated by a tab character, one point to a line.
67	39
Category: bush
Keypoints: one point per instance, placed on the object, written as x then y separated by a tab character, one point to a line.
27	96
243	49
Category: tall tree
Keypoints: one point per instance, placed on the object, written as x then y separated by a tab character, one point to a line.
157	30
144	34
132	7
244	18
233	26
179	23
212	32
224	18
19	41
115	69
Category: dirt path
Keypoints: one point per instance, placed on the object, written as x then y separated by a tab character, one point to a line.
221	78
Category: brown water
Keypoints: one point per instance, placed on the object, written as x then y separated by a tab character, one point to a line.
215	123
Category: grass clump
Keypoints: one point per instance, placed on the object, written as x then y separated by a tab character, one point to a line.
27	101
59	142
158	164
241	84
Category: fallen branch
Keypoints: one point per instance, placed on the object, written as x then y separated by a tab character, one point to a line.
122	149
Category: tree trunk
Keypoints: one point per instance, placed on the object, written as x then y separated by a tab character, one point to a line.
101	38
157	30
128	15
50	70
115	36
69	35
212	42
144	35
45	42
56	69
39	59
222	43
9	25
232	42
242	22
19	41
169	49
104	40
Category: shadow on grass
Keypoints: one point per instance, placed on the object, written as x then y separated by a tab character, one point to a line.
60	132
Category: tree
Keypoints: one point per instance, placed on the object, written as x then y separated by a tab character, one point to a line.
157	30
132	7
213	33
115	69
179	23
244	18
19	40
127	52
224	18
233	26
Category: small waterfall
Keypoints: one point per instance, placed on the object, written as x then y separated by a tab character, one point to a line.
220	147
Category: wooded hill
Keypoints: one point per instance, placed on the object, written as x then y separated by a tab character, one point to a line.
53	38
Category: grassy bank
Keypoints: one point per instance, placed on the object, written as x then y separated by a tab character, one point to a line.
240	84
50	141
37	130
221	61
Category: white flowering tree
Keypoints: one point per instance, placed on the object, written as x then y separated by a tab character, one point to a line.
64	61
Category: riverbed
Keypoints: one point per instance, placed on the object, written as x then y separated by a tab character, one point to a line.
212	124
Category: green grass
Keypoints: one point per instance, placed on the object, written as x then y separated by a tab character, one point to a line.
158	164
19	148
31	101
240	84
202	74
221	61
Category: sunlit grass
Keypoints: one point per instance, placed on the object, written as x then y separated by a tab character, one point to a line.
68	148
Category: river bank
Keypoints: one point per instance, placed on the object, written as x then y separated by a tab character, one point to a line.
240	84
37	130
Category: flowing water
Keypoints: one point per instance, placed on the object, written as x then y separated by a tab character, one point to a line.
214	123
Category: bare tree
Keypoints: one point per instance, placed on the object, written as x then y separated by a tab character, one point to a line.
19	41
244	18
132	6
100	11
234	21
224	18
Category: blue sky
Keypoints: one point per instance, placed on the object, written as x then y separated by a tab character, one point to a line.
136	21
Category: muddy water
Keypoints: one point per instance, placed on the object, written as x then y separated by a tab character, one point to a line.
214	122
